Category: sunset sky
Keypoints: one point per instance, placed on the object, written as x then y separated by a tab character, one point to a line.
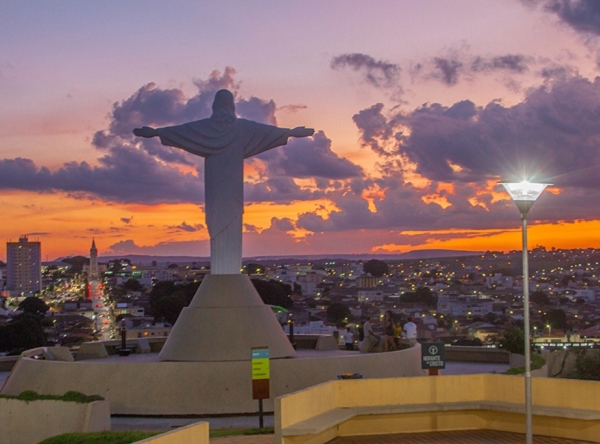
420	108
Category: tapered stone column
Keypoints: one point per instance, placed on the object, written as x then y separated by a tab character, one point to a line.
224	321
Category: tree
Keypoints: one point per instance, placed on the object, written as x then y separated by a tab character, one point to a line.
337	312
375	268
22	333
513	341
565	280
133	285
274	292
423	296
77	263
254	269
33	305
539	297
167	300
169	307
161	289
556	318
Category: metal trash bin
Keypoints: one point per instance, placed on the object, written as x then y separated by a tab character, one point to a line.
350	376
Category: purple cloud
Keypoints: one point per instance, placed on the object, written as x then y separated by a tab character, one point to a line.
552	133
581	15
144	171
378	73
183	226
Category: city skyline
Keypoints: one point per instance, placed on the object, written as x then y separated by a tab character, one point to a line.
420	109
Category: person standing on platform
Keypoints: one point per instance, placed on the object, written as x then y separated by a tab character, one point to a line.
371	338
388	331
410	332
349	338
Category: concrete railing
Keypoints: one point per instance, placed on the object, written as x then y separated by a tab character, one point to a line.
561	408
26	422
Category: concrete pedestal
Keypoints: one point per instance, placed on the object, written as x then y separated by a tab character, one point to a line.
224	321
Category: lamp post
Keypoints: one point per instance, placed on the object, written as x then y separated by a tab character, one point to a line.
524	194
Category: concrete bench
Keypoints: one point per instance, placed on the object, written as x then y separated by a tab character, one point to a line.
144	345
130	347
332	418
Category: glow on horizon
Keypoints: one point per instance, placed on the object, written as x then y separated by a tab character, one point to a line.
407	176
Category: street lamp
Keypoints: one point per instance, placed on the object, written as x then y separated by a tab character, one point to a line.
524	194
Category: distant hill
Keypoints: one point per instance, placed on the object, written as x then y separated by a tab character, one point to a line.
138	259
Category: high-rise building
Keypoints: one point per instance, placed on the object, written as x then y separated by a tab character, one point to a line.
93	261
24	267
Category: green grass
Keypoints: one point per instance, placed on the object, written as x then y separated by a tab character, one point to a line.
537	362
129	437
233	432
99	438
71	396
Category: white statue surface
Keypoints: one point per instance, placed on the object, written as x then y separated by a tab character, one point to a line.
224	141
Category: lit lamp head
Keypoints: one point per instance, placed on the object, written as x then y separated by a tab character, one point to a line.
524	194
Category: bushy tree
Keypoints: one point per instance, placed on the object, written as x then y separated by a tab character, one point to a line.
337	312
33	305
133	285
252	269
376	268
77	263
169	307
22	333
167	300
556	318
539	297
274	292
513	341
422	295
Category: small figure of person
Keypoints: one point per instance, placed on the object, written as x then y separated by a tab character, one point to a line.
397	333
410	332
388	332
349	338
371	338
361	333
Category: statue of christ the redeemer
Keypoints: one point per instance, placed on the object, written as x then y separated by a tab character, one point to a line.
224	141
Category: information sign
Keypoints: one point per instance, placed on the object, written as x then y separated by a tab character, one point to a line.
260	373
433	355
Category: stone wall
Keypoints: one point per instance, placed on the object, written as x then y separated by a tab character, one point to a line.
27	422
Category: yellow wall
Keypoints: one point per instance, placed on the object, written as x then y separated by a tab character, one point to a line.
196	433
549	392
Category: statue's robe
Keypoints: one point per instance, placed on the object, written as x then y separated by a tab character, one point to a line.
224	145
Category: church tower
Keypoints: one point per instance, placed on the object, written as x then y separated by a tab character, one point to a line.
93	261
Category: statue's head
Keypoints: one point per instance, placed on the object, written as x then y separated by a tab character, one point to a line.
224	102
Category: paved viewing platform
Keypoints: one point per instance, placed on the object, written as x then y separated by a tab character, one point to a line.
462	437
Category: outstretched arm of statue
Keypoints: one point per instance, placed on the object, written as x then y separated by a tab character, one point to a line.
145	131
301	131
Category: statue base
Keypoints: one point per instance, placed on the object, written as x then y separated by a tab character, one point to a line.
223	322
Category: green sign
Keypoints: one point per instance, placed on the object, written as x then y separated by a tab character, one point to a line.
260	373
433	355
260	363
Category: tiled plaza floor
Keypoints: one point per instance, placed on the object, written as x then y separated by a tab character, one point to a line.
463	437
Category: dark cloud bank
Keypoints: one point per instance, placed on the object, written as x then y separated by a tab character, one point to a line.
552	135
144	171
